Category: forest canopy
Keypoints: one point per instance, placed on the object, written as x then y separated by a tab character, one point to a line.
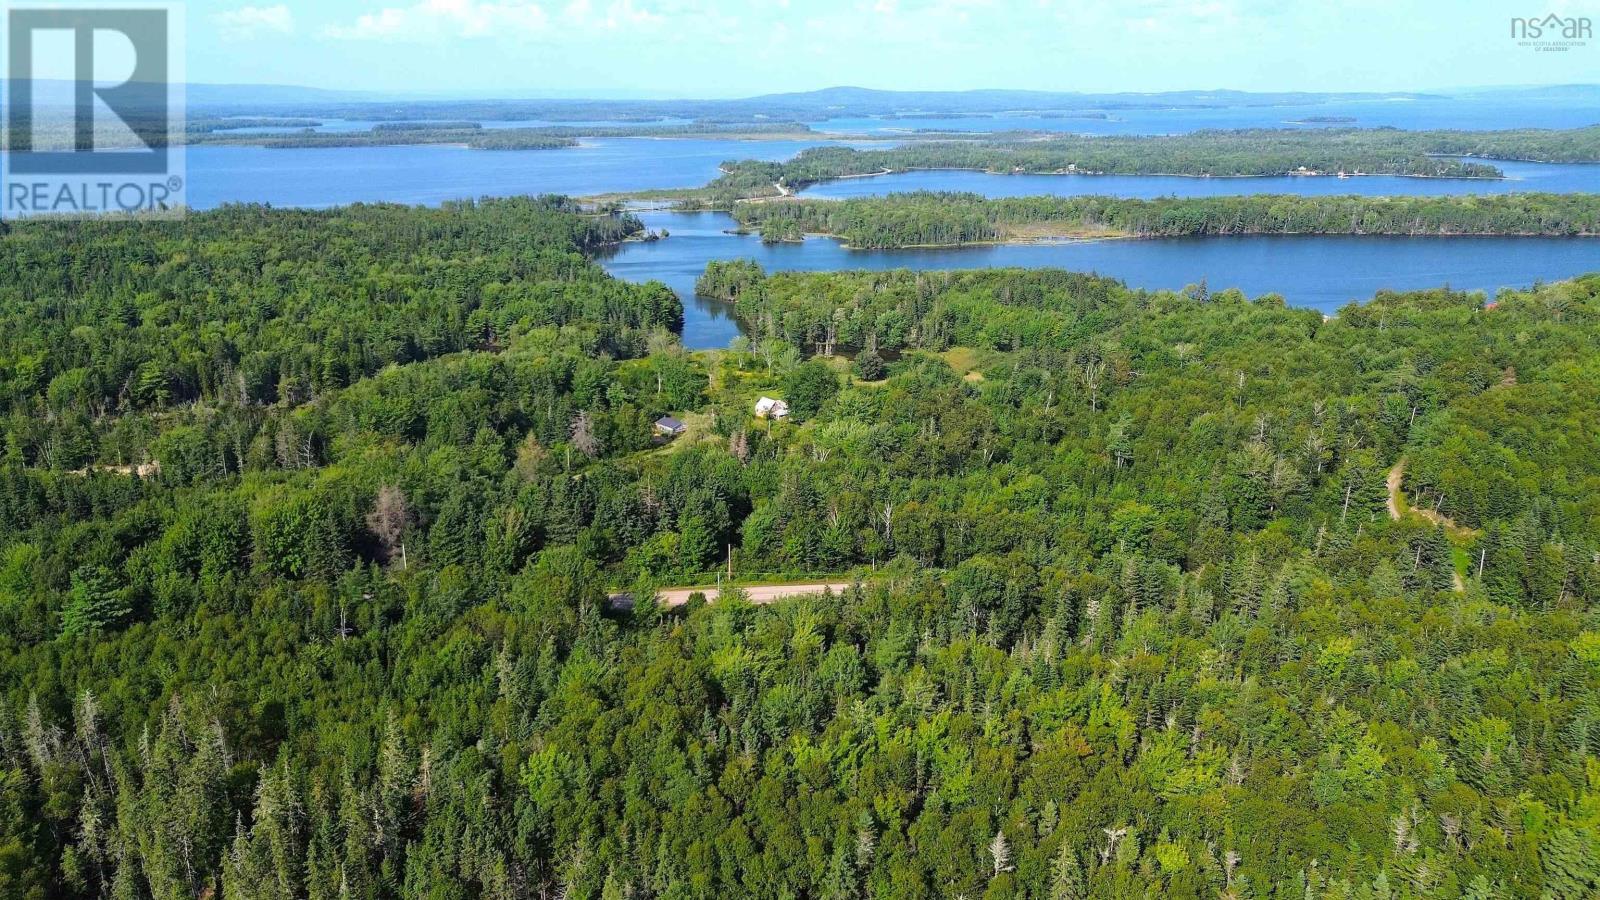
926	218
308	522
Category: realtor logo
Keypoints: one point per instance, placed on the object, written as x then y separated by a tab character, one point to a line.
93	110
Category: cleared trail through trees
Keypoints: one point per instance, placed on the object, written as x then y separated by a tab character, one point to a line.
1396	476
1399	507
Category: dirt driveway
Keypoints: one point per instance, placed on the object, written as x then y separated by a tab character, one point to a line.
760	594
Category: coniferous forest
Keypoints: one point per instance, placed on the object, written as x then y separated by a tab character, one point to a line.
1249	152
929	218
309	519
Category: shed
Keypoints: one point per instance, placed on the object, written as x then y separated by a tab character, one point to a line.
668	426
768	408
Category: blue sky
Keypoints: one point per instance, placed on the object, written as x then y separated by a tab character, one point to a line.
716	48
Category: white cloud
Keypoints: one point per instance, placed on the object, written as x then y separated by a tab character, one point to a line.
248	22
623	14
432	20
926	24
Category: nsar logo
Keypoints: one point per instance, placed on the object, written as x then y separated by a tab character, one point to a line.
1552	32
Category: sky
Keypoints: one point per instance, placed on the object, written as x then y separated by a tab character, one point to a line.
724	48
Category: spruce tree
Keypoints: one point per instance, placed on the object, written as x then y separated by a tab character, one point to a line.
94	602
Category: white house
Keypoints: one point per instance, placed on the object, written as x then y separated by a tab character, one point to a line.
768	408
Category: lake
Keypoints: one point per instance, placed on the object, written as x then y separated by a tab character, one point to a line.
431	174
1573	108
1520	176
1576	108
329	176
1321	272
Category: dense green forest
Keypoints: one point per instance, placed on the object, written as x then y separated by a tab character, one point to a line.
1132	617
208	124
1246	152
940	218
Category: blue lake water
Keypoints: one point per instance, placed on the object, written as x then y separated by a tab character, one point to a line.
1320	272
1575	109
432	174
1520	176
1571	108
320	177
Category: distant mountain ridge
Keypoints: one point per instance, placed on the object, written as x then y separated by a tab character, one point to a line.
831	102
1000	100
59	92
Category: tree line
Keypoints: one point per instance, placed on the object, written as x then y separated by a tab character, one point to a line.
944	218
474	135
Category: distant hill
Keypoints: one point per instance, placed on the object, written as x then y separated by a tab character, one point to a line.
210	94
1567	93
810	106
858	99
849	97
58	92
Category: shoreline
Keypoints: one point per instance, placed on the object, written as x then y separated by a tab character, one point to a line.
266	140
799	193
1094	238
1087	238
1064	172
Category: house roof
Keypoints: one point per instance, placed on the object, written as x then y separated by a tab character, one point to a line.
669	422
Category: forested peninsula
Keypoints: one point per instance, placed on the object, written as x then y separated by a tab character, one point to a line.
926	218
474	135
1239	153
382	135
300	133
